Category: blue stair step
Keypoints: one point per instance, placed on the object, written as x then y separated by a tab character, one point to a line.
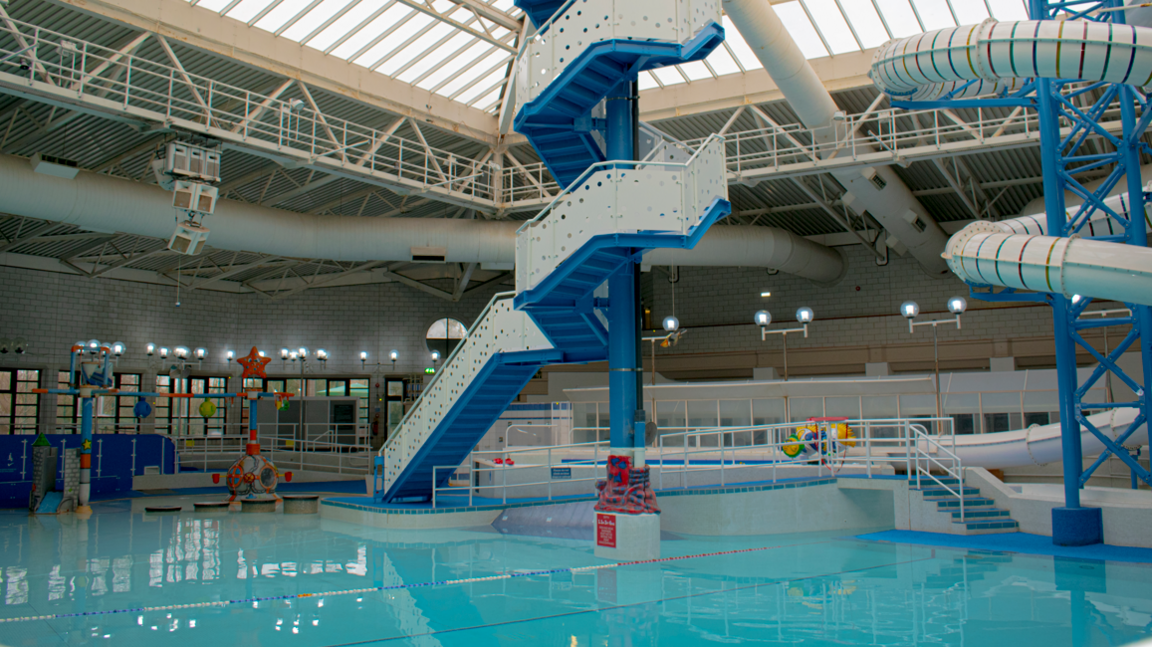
937	492
981	513
549	120
969	502
539	11
1003	525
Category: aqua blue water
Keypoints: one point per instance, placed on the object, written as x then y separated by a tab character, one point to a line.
811	589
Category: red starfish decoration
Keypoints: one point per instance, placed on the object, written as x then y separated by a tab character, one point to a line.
253	364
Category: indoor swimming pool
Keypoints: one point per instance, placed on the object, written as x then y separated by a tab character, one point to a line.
124	577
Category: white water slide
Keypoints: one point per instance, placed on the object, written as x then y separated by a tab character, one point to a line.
1017	253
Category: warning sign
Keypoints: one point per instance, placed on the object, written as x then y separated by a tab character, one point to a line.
606	530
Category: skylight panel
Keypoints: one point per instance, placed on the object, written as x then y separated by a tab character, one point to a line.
480	86
464	77
797	24
734	40
436	57
695	71
668	75
722	62
866	22
832	25
346	23
285	11
467	59
647	82
970	13
214	5
314	18
415	49
246	10
389	19
1008	10
394	40
898	14
934	14
489	101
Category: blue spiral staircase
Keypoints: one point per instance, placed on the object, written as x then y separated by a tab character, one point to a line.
609	215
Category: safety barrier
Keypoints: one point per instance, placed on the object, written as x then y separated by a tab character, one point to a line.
897	443
499	461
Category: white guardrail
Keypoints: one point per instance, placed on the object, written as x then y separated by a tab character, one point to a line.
743	452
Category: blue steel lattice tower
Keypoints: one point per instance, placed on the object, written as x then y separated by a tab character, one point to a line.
1069	54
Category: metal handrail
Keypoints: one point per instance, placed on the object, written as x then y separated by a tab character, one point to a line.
503	469
588	172
917	461
499	296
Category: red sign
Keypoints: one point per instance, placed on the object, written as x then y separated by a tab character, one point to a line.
606	530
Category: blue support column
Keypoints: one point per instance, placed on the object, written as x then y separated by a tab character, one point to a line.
623	291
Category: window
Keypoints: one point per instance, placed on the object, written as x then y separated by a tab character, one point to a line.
181	416
67	410
19	406
443	336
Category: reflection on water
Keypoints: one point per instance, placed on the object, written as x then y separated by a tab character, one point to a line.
252	580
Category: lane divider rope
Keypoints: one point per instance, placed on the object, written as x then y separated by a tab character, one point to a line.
392	587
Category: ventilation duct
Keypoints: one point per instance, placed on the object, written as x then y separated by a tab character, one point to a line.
103	203
879	191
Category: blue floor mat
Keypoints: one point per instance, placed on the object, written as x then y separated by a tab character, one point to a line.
1015	542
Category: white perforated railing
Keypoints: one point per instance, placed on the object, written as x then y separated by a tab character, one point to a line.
498	329
656	197
561	40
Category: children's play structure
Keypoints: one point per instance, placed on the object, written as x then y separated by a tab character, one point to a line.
91	375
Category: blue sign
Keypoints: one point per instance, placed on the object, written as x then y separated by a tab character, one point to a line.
561	473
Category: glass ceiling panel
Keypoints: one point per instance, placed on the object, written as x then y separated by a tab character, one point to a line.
832	26
797	23
392	38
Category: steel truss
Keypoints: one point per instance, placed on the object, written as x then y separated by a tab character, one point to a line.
1067	116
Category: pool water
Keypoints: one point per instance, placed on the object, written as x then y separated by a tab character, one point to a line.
268	579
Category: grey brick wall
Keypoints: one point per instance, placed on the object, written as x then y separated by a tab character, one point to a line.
54	310
718	303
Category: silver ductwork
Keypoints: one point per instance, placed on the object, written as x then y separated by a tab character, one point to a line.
107	204
877	190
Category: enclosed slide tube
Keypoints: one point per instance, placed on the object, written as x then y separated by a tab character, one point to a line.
1039	444
930	65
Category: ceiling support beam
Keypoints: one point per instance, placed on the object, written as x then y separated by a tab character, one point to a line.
423	287
447	20
837	216
206	30
490	13
327	278
29	237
